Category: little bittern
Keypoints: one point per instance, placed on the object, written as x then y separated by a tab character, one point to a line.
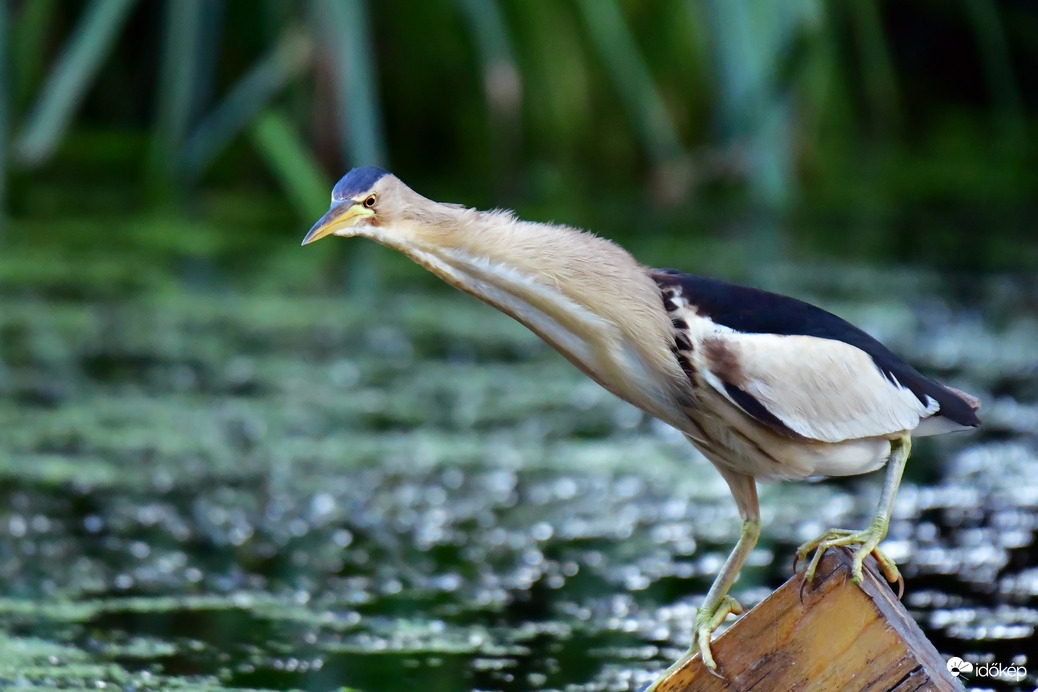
763	385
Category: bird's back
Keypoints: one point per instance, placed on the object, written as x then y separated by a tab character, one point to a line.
802	371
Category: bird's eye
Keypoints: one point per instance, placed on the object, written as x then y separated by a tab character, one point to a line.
370	201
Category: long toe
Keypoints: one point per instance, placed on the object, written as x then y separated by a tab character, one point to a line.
707	622
887	566
867	541
817	547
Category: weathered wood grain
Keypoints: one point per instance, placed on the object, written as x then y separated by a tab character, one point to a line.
840	637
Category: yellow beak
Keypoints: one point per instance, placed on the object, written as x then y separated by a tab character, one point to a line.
342	215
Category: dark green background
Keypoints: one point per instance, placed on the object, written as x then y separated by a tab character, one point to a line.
886	131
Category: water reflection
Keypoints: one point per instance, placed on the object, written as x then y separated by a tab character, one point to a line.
270	492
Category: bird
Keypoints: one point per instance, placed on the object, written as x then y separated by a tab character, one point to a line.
765	386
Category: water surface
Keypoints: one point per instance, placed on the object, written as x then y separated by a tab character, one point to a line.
207	484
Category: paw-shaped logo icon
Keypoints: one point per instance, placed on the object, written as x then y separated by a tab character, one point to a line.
957	667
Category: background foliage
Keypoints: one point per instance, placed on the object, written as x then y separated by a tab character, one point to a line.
877	130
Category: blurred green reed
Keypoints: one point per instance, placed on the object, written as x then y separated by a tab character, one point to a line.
3	111
791	104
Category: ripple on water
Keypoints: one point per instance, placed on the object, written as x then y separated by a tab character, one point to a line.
293	494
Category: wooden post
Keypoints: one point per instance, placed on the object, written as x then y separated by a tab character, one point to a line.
841	637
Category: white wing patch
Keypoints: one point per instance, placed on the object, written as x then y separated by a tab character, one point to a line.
823	389
820	389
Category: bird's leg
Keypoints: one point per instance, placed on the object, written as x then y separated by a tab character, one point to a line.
868	539
718	604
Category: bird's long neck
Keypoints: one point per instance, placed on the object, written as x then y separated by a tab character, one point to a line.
587	297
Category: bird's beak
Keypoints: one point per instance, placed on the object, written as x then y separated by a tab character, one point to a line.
342	215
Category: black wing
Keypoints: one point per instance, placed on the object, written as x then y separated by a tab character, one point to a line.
753	311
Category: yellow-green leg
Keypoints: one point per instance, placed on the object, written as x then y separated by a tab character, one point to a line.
718	604
868	539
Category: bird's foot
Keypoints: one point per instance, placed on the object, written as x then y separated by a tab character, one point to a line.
707	620
868	544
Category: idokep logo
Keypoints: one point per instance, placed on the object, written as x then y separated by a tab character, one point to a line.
957	667
960	668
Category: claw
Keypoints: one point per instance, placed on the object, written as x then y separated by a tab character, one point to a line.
717	674
706	622
868	542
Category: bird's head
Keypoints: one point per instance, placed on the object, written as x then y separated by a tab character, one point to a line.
357	204
373	203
